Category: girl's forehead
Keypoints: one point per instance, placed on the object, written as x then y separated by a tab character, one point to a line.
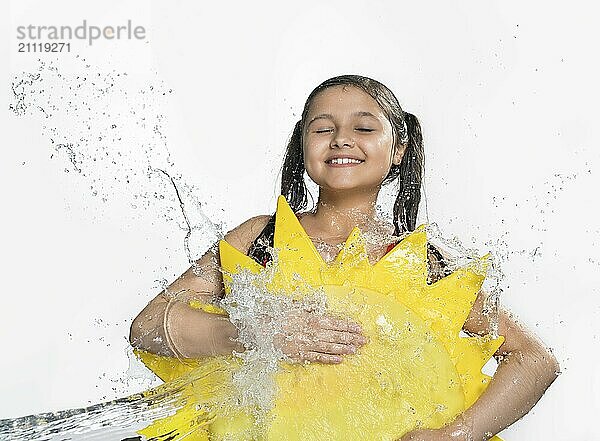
344	98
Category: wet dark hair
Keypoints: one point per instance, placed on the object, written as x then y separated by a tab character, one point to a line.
406	130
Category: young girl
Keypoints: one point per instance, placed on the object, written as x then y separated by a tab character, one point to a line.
352	138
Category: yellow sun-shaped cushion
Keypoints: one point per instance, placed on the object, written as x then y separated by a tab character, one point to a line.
416	371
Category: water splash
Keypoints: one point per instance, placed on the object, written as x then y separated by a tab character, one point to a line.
259	315
108	420
110	135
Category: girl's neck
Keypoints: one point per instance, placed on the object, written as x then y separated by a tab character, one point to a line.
337	213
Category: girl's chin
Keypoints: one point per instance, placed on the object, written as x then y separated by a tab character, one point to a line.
347	187
349	183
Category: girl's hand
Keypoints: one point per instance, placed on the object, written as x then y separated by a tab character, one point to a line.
311	337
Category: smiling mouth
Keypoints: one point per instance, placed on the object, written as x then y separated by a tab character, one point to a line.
344	161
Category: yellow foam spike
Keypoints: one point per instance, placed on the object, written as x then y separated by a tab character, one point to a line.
299	264
410	254
351	266
234	261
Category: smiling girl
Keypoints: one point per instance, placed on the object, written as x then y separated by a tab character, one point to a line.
352	138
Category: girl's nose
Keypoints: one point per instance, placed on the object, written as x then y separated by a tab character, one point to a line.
342	140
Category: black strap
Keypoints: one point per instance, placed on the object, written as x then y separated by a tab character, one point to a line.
432	250
258	249
437	254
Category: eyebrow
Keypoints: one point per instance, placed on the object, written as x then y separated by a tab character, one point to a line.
329	116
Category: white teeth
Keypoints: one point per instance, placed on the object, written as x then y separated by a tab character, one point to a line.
345	161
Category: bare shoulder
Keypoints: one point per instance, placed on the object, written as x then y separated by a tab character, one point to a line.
203	281
517	337
242	236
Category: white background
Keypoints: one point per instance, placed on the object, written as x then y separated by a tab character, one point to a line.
507	96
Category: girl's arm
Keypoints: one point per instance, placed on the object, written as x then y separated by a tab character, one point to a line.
169	326
526	369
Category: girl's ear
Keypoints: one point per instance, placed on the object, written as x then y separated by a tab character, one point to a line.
399	154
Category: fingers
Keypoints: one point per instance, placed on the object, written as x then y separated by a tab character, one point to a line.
332	348
317	343
311	337
335	324
319	334
312	348
337	330
343	338
318	357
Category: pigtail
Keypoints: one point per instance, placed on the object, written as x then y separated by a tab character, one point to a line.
293	186
411	175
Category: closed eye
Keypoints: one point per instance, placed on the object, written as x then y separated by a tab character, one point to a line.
359	129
